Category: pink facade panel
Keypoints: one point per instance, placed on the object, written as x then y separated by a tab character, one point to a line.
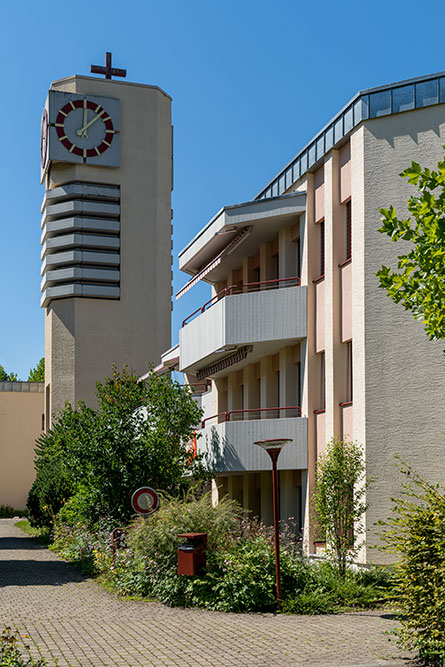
347	422
320	425
319	317
345	173
346	302
319	194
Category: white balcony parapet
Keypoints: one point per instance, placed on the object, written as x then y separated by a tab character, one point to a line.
243	319
228	447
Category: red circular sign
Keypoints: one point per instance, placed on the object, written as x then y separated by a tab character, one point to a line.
145	501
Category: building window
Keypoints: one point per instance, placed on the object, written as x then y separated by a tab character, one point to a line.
349	372
322	382
321	248
348	231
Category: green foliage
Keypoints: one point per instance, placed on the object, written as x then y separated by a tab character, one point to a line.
37	374
416	533
137	436
7	377
15	653
8	512
420	282
339	498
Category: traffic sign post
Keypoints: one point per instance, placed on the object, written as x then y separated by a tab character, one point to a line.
145	501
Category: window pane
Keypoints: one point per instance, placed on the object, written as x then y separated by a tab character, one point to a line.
442	89
268	193
303	162
380	103
281	184
289	178
275	189
329	138
402	99
347	120
338	130
311	155
426	93
320	147
296	170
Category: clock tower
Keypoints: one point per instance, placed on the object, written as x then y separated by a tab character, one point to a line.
106	163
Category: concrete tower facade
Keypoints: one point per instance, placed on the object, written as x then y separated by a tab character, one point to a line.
106	232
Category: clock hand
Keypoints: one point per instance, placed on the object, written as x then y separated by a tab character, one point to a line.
81	132
85	118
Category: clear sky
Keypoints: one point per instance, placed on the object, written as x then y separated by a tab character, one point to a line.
251	82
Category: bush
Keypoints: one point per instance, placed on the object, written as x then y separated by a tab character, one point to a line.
139	435
417	535
14	652
8	512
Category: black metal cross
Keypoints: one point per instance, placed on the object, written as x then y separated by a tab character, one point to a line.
108	70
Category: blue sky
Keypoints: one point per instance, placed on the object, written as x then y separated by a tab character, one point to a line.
251	83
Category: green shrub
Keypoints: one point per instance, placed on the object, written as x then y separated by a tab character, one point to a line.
416	533
15	653
8	512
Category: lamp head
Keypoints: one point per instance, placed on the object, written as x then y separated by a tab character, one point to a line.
273	446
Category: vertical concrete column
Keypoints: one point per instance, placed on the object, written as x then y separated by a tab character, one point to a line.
288	379
221	395
268	386
310	368
289	495
233	392
230	486
250	391
334	250
358	181
266	262
287	259
266	496
248	273
248	490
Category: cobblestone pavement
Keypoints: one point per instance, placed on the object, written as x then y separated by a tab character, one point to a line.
72	619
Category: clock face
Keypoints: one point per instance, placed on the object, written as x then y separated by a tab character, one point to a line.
44	138
84	128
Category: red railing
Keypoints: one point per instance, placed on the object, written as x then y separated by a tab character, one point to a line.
240	289
228	415
197	387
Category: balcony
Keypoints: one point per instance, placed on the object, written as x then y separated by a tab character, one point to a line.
269	314
228	446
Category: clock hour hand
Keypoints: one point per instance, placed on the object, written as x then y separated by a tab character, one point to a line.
82	131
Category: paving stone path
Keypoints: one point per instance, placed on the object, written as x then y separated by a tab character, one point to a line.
72	619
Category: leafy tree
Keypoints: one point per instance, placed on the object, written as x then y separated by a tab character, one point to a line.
138	436
420	282
7	377
37	374
339	498
416	534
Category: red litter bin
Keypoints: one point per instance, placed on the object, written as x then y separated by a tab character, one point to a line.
192	554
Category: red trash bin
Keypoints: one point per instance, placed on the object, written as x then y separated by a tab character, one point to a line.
192	554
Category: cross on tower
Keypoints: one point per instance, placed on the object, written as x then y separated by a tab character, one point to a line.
108	70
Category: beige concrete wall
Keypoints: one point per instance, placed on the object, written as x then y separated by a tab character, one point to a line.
404	382
20	425
85	336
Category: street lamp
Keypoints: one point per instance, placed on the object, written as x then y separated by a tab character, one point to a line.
273	447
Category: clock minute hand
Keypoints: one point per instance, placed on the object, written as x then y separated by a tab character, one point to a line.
85	127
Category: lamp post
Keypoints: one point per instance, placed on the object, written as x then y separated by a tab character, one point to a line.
273	447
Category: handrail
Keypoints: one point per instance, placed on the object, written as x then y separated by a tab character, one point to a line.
228	414
227	291
193	385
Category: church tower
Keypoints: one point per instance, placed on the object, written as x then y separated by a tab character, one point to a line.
106	162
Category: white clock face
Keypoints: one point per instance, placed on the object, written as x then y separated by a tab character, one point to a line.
84	128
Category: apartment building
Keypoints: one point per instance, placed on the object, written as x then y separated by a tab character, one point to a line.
297	340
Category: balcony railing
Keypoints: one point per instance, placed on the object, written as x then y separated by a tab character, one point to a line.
244	288
238	415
